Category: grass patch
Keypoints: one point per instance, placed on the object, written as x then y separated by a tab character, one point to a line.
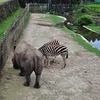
78	39
3	0
86	45
93	7
27	19
94	28
67	30
56	19
7	23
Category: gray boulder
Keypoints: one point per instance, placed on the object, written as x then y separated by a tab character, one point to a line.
98	22
84	10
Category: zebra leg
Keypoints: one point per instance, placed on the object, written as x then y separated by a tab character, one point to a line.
54	59
64	59
48	66
48	62
45	61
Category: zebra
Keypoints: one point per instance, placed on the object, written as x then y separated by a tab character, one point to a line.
54	50
53	42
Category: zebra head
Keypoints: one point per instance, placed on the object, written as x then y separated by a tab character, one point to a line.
41	49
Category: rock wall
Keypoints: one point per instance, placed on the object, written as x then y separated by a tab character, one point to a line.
7	8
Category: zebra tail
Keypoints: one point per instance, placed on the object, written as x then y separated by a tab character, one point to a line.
67	55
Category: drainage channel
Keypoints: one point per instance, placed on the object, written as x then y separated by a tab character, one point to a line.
93	38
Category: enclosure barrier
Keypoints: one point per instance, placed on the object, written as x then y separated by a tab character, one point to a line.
53	9
11	35
38	8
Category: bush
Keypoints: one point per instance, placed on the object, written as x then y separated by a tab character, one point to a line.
22	3
85	20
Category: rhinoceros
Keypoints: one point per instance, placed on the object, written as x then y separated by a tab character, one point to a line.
28	59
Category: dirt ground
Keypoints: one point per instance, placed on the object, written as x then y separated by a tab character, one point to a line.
79	80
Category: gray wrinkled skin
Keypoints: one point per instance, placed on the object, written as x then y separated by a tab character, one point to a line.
28	59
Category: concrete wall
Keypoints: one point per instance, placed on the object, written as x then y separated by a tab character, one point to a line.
11	36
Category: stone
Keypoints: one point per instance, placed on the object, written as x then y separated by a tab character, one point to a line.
84	10
98	22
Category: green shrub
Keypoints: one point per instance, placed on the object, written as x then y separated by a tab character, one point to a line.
85	20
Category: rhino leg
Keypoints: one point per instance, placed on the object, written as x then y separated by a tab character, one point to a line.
15	65
22	72
37	81
27	77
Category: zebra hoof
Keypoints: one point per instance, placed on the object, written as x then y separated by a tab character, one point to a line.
63	67
53	61
48	67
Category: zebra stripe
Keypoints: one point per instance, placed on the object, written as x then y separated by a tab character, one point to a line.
54	50
53	42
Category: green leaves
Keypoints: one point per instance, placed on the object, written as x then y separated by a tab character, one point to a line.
85	20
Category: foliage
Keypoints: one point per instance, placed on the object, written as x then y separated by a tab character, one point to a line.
22	3
94	10
7	23
3	0
85	20
75	1
93	7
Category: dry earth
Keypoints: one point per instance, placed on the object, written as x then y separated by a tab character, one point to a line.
80	80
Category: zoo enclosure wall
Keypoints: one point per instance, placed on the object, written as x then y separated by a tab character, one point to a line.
10	37
53	8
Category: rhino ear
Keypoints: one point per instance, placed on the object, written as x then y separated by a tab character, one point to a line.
14	47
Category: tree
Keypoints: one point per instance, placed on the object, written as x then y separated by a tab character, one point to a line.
22	3
75	1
